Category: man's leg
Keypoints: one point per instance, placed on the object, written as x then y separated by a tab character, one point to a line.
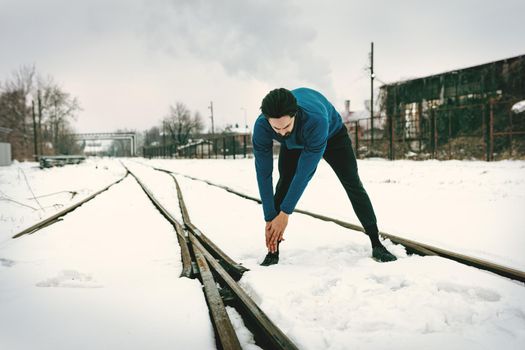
288	160
340	156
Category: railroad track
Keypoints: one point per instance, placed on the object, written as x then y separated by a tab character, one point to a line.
202	259
411	245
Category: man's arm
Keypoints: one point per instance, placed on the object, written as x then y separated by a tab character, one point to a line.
262	150
315	143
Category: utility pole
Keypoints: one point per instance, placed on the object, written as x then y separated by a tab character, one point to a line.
35	133
212	125
372	76
40	122
245	122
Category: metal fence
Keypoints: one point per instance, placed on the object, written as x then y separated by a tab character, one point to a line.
229	146
484	131
487	131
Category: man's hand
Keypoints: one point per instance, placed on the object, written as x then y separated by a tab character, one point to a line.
268	234
275	231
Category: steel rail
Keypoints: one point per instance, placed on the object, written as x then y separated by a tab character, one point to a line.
185	252
266	333
58	216
235	269
411	245
226	337
221	321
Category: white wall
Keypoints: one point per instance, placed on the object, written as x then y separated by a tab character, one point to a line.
5	154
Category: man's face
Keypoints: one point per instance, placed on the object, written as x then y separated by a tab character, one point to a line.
283	126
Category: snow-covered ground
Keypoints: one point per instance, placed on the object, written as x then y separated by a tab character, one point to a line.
107	276
327	293
29	194
469	207
94	280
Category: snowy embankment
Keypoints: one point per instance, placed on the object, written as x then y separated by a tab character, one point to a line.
470	207
107	275
327	293
29	194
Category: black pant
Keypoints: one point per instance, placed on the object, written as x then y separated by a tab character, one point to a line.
340	155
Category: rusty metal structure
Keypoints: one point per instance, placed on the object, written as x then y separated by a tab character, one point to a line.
460	114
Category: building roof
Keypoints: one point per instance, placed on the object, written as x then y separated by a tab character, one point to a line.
453	71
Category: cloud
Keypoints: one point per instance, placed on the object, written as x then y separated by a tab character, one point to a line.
265	40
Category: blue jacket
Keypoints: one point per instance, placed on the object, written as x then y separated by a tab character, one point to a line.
316	121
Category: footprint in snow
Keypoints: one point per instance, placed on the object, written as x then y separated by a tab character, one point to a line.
482	294
70	279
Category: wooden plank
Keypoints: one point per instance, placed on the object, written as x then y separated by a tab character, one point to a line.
183	209
233	266
227	337
272	334
468	260
184	251
327	218
215	250
54	218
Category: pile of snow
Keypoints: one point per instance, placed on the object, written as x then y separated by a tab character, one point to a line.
519	107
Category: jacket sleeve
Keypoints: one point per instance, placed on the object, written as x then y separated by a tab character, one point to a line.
315	137
262	150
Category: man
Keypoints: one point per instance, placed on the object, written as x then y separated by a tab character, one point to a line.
308	128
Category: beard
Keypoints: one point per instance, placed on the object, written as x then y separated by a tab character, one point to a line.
287	135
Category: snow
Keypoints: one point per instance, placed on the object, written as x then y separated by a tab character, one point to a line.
108	274
54	189
470	207
519	107
326	292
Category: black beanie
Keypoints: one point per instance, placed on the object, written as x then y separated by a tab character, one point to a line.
279	102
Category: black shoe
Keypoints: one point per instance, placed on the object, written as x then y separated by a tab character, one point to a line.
381	254
271	259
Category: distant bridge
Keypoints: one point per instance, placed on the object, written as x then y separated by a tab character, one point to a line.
95	136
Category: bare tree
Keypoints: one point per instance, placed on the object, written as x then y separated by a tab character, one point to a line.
40	113
13	112
23	79
198	122
152	136
180	125
61	109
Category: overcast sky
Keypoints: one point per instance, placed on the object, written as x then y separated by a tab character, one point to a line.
128	60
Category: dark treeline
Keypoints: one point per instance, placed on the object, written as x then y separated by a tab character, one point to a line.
38	113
